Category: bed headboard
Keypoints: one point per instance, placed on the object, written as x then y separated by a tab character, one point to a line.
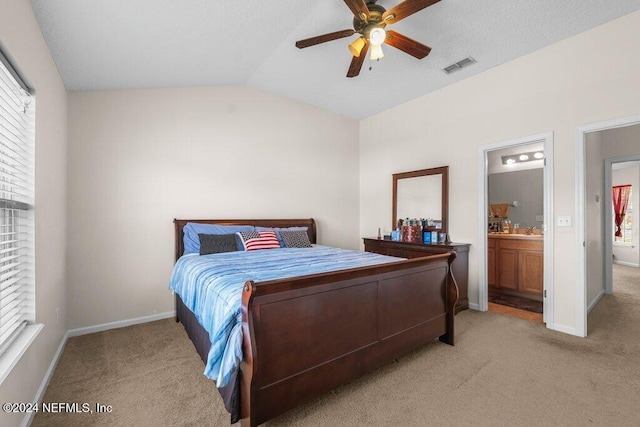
282	223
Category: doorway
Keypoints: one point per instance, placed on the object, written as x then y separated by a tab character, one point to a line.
622	244
598	144
541	220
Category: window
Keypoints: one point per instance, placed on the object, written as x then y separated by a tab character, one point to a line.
17	284
626	226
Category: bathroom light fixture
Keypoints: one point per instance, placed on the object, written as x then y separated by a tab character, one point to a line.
522	157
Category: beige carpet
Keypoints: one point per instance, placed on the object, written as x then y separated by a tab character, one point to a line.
502	372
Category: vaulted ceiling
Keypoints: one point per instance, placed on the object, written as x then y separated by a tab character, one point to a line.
120	44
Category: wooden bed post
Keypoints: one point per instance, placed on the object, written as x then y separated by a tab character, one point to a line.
452	298
247	366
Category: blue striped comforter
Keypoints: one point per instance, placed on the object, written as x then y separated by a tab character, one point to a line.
211	287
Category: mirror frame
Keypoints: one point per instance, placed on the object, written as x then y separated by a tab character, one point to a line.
442	170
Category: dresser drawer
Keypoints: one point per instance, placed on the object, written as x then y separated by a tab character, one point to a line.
459	267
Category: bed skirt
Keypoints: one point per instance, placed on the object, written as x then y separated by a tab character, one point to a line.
200	338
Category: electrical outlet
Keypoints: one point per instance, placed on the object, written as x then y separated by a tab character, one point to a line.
539	218
564	221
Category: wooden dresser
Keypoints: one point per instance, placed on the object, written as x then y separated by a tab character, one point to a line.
515	264
460	266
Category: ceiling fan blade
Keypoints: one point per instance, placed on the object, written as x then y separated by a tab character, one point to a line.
404	9
323	38
358	7
357	61
407	45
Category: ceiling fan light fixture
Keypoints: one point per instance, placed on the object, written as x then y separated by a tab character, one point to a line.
377	36
369	22
356	46
376	52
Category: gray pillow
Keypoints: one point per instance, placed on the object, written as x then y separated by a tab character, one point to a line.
295	239
217	243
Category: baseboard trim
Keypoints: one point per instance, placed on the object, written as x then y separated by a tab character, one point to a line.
628	264
565	329
120	324
595	301
28	419
474	306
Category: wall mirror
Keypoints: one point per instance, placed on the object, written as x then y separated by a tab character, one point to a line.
422	194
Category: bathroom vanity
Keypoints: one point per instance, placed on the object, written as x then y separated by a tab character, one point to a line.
515	264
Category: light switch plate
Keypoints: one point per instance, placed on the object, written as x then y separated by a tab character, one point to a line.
564	221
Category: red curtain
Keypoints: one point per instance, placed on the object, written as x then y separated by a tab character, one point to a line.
620	203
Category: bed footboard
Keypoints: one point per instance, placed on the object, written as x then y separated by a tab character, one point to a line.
305	336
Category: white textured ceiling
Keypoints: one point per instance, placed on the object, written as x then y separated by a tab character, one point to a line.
118	44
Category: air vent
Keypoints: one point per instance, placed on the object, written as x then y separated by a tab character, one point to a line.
459	65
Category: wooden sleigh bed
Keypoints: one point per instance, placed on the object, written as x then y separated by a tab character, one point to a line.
356	320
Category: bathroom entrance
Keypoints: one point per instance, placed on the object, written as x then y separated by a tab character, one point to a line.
516	228
515	223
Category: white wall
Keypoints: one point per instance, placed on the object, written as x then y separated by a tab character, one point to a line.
139	158
594	213
621	142
629	254
21	38
588	78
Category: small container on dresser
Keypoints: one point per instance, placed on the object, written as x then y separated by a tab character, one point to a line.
412	233
459	267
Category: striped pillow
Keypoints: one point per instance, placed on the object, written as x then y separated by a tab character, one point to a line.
255	240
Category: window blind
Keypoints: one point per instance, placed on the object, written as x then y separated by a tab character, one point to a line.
17	126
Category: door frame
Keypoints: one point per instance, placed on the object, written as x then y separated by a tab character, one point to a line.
483	203
581	220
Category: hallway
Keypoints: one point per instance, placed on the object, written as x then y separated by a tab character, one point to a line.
621	310
626	280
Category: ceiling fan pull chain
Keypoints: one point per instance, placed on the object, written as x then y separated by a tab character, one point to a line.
371	63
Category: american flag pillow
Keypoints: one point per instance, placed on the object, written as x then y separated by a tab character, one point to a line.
254	240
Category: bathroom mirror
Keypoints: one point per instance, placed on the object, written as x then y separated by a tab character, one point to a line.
422	194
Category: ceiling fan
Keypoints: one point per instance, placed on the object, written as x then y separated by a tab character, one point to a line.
369	21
